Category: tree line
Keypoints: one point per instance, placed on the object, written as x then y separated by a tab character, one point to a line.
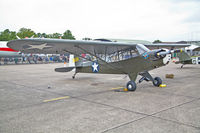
8	35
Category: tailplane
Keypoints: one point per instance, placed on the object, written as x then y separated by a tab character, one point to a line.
74	62
64	69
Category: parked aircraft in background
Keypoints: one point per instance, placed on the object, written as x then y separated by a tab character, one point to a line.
184	58
5	51
106	57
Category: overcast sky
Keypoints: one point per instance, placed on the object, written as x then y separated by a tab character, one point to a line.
167	20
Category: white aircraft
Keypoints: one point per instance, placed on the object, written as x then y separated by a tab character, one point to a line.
5	51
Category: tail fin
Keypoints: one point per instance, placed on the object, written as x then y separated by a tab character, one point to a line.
75	61
183	56
73	64
71	60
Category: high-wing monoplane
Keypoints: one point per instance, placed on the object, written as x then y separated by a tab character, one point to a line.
105	57
185	58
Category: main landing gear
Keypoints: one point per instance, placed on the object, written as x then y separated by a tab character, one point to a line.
182	65
73	77
157	81
131	85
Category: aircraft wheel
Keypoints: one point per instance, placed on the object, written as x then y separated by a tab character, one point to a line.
131	86
181	66
157	81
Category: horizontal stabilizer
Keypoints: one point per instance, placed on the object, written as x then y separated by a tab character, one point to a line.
64	69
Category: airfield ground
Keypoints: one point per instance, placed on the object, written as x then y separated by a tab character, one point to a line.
35	99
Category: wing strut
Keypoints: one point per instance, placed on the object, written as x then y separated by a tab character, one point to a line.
77	55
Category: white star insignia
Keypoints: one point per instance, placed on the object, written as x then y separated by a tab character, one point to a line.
41	46
95	67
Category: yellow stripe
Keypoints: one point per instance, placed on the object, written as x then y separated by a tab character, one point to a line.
76	59
117	88
54	99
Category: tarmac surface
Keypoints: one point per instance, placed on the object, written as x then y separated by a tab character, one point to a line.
35	99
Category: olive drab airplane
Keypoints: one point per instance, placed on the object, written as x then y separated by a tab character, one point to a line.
105	57
185	58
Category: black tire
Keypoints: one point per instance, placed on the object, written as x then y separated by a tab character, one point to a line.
131	86
181	66
157	81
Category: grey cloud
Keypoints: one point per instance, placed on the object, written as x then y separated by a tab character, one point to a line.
189	7
194	18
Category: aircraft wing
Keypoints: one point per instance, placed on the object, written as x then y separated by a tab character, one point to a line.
60	46
196	49
168	46
53	46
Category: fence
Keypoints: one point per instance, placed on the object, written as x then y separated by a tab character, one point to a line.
33	60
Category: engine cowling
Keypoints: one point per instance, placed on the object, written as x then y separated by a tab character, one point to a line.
165	54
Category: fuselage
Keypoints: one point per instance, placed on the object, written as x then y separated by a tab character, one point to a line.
131	65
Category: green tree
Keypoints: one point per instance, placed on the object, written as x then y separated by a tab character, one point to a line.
24	32
41	35
54	35
38	35
44	35
86	38
57	35
68	35
157	41
7	35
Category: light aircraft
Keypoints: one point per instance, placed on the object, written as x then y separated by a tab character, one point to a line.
8	52
105	57
184	58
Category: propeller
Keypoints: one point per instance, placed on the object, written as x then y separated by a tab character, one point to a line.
159	53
